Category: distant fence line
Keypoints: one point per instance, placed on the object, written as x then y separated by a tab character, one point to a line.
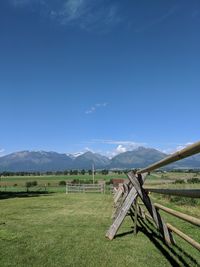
76	188
85	188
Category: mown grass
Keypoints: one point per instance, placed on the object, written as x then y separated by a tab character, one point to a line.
69	230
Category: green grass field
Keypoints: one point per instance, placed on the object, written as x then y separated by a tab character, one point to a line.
53	180
69	230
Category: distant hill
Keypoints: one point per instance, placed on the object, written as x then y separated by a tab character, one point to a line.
192	162
51	161
35	161
86	160
137	158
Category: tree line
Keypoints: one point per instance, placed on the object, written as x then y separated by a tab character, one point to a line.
65	172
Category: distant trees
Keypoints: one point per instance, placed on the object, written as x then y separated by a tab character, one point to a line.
83	172
58	173
62	183
104	172
30	184
73	172
69	172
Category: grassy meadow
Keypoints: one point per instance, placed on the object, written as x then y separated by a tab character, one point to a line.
69	230
53	180
55	229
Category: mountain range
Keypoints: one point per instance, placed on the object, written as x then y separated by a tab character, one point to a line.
42	161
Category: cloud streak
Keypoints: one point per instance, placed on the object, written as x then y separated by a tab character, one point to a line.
177	148
88	15
157	20
118	142
2	150
95	107
118	146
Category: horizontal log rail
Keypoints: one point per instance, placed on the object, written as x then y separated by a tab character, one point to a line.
187	238
192	193
126	201
178	214
184	153
184	236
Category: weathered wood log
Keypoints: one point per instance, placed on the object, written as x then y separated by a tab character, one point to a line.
118	205
152	210
123	211
136	216
118	194
178	214
192	193
184	236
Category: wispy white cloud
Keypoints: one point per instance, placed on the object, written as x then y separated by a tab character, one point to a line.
155	21
68	11
87	14
118	142
117	146
88	149
95	107
121	149
79	153
178	147
2	150
112	147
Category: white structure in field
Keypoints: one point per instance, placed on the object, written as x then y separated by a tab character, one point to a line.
85	188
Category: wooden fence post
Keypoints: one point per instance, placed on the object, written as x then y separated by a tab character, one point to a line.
125	207
136	216
152	210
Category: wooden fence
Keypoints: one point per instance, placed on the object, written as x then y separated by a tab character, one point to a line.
126	201
85	188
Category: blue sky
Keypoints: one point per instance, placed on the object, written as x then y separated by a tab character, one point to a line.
100	75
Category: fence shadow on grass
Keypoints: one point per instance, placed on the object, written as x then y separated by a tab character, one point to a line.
23	194
175	255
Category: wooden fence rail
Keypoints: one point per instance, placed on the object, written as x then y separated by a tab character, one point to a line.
178	214
126	201
85	188
192	193
184	153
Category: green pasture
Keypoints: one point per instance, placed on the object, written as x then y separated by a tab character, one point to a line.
50	183
69	230
54	179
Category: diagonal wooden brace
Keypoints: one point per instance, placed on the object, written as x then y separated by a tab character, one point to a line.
118	205
161	225
126	205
